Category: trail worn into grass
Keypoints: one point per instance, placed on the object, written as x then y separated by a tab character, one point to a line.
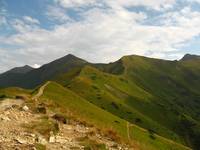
40	91
21	125
17	130
128	135
12	133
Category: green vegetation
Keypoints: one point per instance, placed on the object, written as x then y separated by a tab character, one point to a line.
116	99
43	126
13	92
91	144
84	110
40	146
160	97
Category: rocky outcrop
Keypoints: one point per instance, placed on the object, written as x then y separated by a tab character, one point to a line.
15	116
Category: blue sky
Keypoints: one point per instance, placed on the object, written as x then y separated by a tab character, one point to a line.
35	32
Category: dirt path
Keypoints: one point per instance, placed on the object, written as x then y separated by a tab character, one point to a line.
72	135
7	103
15	116
128	132
12	134
40	92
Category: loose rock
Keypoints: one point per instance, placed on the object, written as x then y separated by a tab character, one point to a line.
25	108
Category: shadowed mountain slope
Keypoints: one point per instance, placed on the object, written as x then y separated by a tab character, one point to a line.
21	70
38	76
190	57
137	89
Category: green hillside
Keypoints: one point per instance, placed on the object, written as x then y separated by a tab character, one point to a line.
119	100
159	96
144	91
81	108
35	77
175	87
14	92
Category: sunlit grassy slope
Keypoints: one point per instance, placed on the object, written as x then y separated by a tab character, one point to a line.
175	86
100	118
157	95
13	92
160	96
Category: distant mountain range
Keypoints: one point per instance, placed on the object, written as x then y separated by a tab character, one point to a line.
28	77
20	70
190	57
159	95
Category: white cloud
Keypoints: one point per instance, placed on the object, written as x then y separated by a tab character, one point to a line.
75	3
104	35
31	20
198	1
55	13
36	66
185	18
21	26
153	4
174	56
3	20
9	60
26	24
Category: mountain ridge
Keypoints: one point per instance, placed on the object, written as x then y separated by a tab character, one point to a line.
187	57
73	57
138	89
23	69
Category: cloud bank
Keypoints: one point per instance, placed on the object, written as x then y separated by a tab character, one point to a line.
101	31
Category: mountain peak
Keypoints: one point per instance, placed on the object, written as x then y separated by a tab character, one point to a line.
70	57
190	57
67	59
23	69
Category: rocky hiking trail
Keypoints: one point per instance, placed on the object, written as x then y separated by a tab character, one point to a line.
17	130
41	91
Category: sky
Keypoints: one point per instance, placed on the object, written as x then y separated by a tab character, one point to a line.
35	32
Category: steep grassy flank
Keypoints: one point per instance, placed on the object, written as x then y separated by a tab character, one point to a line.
69	100
113	68
13	92
13	77
138	89
191	72
36	77
143	90
122	98
83	109
175	87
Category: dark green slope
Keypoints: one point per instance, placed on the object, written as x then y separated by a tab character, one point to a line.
144	91
190	57
49	71
116	95
14	76
113	68
38	76
175	86
20	70
81	108
158	95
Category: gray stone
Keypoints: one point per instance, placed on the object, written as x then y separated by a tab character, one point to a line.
25	108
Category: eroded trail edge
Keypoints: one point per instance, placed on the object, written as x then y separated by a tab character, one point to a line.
40	91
